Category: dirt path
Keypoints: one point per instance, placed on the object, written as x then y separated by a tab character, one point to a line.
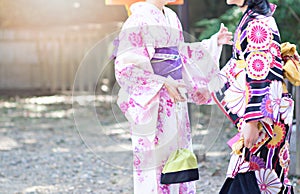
43	149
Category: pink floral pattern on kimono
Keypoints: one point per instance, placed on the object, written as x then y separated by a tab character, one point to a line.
145	101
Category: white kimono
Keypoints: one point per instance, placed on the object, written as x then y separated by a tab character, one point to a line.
156	130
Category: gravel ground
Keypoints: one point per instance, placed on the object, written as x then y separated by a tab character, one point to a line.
48	146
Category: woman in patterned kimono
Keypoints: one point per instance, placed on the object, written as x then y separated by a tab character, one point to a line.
256	100
151	66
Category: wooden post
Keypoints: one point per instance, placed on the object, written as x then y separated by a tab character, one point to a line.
298	130
183	14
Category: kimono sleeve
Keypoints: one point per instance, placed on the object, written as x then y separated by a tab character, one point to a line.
211	45
201	71
260	47
133	69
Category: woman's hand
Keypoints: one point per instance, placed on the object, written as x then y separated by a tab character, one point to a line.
224	36
174	93
172	87
250	133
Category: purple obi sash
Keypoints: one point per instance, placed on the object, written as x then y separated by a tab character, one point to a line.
167	62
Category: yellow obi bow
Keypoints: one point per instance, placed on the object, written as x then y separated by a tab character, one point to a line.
291	68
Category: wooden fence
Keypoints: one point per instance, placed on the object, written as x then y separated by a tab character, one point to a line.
48	59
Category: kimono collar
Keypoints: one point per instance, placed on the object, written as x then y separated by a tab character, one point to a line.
250	12
273	8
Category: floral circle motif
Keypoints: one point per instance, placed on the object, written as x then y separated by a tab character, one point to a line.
238	94
272	54
275	50
268	181
275	96
286	110
258	65
278	135
259	36
284	155
257	163
266	107
271	59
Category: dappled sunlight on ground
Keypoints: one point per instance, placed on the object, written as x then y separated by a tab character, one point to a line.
45	149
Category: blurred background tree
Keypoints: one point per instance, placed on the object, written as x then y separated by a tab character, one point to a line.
287	16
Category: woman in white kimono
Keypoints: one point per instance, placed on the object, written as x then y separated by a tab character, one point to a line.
151	66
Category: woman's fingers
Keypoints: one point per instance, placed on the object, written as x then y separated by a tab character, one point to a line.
174	93
248	142
250	133
224	36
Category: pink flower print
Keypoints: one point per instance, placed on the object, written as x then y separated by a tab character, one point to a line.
256	163
141	141
275	50
145	52
258	65
268	181
131	102
200	97
184	59
272	54
127	72
139	172
124	107
199	54
160	108
136	162
189	51
284	156
136	39
168	112
183	189
142	80
187	124
169	102
165	189
156	140
266	107
258	35
232	70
